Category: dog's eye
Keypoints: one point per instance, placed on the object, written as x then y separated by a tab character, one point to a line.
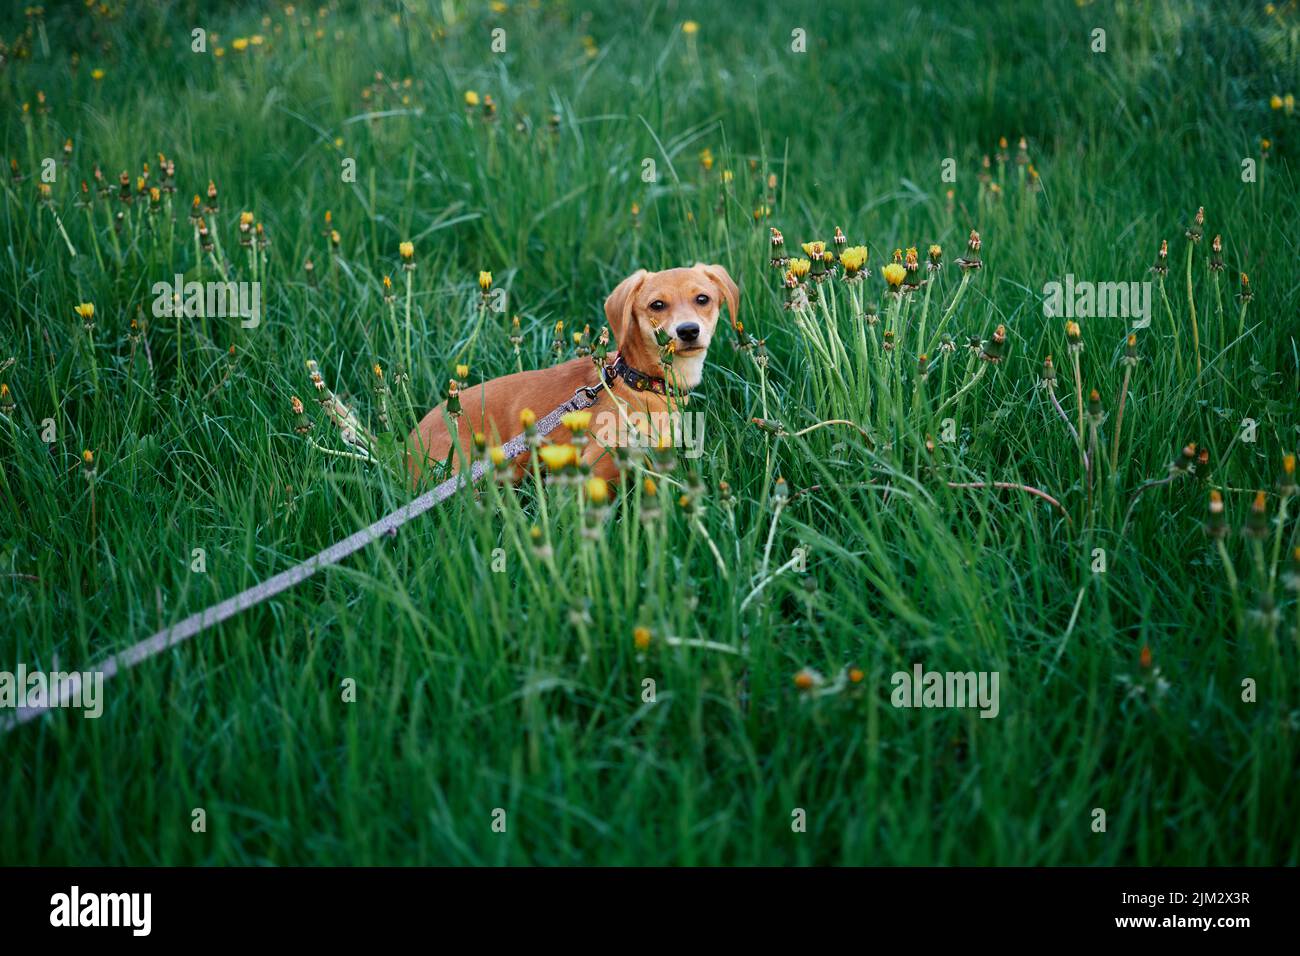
658	305
702	299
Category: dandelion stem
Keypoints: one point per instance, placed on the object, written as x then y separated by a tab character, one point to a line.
964	389
409	366
771	535
1119	420
768	579
1178	355
1277	539
1191	307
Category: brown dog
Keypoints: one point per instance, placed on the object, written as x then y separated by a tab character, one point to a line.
683	303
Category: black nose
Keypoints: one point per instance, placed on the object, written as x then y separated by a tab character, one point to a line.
688	331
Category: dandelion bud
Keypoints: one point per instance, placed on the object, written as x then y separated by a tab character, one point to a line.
1094	407
6	400
1049	372
1144	658
211	205
815	251
779	258
407	251
912	278
935	262
1216	254
485	282
453	398
1257	520
86	310
1184	462
839	240
1197	229
1161	266
641	637
1286	485
1073	336
972	258
1216	524
540	548
781	492
995	347
808	679
88	464
1291	578
301	423
516	333
1130	351
1245	295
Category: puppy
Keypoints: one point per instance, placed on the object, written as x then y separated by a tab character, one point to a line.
682	303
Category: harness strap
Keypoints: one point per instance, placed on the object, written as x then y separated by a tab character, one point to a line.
183	630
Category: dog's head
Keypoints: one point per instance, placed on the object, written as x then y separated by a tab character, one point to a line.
683	303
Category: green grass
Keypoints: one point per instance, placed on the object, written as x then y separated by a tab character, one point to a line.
522	689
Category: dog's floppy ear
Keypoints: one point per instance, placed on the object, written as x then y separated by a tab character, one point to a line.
726	287
618	307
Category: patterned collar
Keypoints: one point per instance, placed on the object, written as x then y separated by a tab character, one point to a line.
637	381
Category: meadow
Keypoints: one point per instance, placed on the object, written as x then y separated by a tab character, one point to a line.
911	455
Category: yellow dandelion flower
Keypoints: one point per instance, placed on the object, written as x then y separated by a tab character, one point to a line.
85	309
894	274
641	637
854	258
239	44
597	490
96	74
1275	102
471	98
690	28
528	418
558	457
576	421
407	250
485	281
800	267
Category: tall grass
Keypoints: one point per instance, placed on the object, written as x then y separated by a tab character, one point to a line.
494	645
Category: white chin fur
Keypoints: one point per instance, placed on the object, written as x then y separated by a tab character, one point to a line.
689	369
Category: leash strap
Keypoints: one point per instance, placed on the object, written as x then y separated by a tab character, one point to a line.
183	630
